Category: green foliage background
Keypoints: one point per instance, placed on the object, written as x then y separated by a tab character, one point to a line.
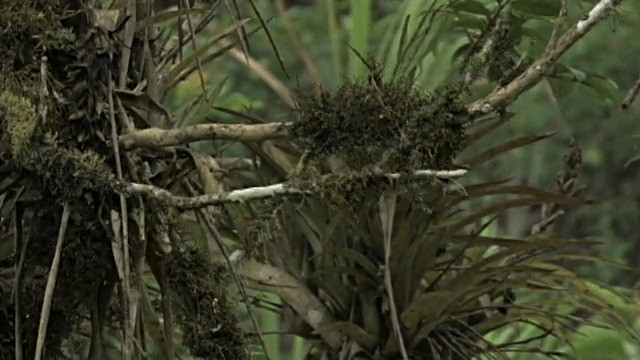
582	106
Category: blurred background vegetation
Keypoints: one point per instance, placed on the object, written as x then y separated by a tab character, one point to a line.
580	111
467	273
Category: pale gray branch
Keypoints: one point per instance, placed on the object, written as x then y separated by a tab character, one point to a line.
253	193
505	95
268	278
156	137
596	14
193	202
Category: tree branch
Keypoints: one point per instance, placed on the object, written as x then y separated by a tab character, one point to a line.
252	193
505	95
156	137
194	202
297	295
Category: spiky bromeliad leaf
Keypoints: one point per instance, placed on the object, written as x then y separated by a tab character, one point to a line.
452	285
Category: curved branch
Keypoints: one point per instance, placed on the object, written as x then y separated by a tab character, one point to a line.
156	137
296	294
505	95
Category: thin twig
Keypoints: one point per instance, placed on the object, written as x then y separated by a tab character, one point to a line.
485	42
167	316
243	291
387	206
51	283
127	40
19	265
188	202
252	193
44	91
212	184
562	18
631	95
139	218
306	58
193	43
267	76
440	174
126	290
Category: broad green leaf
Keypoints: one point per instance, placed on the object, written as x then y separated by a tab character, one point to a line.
354	332
505	147
537	7
357	258
607	88
437	67
471	6
361	23
560	88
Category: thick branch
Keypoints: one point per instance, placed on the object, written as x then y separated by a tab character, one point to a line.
505	95
297	295
155	137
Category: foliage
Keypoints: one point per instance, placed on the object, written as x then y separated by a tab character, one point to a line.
375	260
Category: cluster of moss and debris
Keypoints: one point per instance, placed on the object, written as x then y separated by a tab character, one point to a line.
377	128
203	307
371	124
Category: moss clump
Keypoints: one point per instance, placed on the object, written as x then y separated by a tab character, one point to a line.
20	120
203	309
390	126
69	173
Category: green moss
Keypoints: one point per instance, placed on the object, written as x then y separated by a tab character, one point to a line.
203	308
20	121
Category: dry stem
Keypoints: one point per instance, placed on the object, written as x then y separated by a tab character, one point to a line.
51	284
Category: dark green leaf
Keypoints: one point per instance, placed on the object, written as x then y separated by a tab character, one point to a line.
537	7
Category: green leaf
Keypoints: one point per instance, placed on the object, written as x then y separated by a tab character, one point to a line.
361	22
607	88
354	332
604	86
537	7
471	6
560	88
631	161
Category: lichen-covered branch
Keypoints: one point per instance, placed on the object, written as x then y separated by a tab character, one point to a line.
194	202
297	295
156	137
253	193
504	95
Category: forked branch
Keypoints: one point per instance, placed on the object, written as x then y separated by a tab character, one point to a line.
535	73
